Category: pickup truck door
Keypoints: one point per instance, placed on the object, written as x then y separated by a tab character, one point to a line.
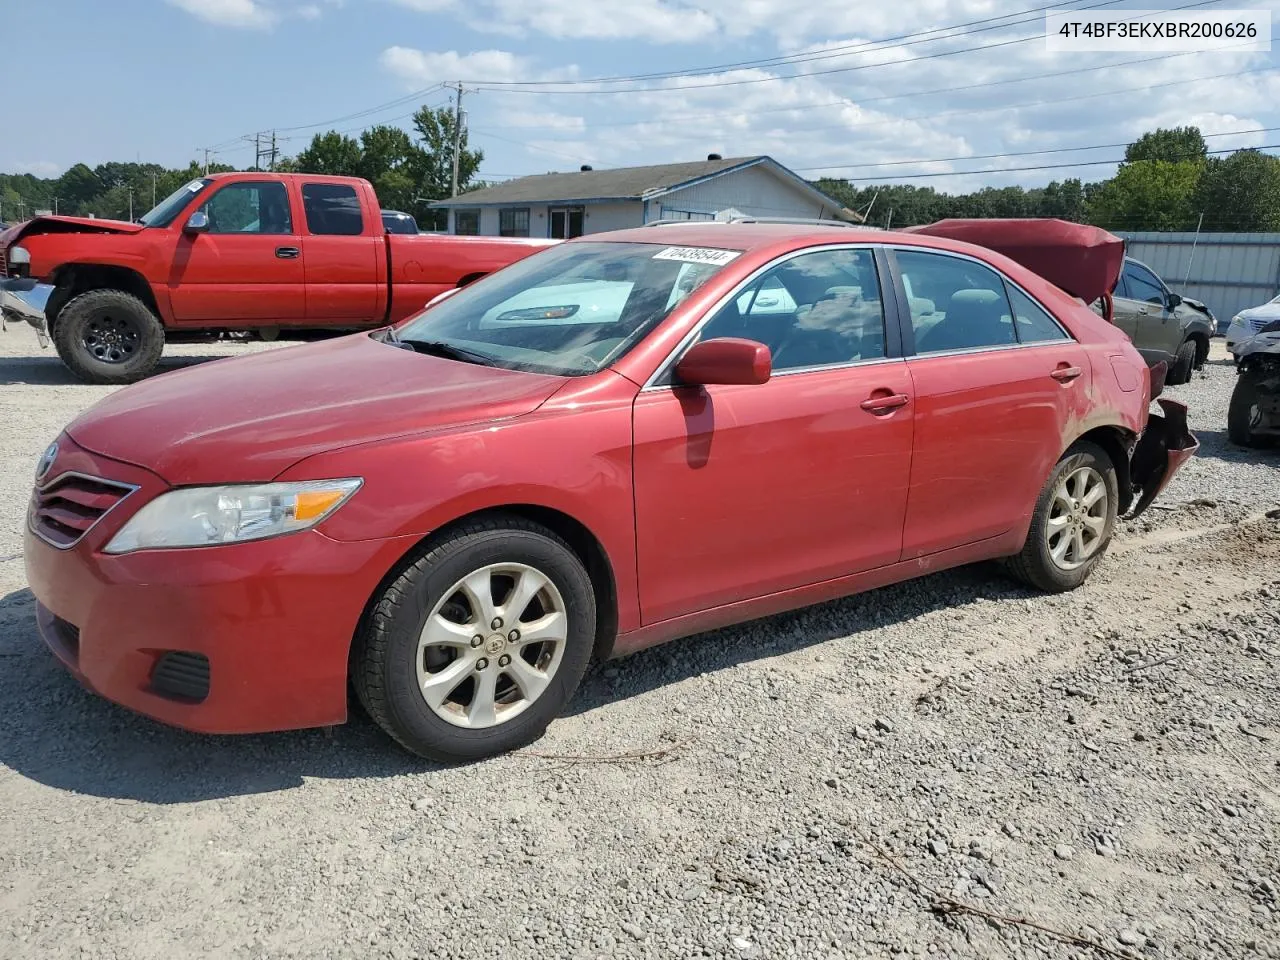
246	266
343	254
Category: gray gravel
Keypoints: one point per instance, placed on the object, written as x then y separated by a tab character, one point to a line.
823	783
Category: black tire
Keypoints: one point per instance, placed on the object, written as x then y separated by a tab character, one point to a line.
384	662
267	334
108	336
1035	565
1240	412
1183	364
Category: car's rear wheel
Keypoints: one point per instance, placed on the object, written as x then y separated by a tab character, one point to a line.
1244	414
1074	519
477	646
108	336
1183	364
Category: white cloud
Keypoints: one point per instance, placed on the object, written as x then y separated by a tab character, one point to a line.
418	68
38	168
426	6
229	13
252	14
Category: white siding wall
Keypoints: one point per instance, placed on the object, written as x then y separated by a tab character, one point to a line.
600	217
753	191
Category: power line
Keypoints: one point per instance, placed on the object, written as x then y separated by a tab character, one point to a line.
1047	166
827	53
521	87
1026	153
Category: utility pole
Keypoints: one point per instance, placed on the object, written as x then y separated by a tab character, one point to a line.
55	206
459	119
206	161
153	190
131	204
273	151
257	150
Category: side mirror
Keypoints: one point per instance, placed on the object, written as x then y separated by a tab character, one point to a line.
725	360
198	222
1174	300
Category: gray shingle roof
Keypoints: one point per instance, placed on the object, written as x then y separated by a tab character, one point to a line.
625	183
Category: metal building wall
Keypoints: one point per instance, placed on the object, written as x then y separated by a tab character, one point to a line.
1228	271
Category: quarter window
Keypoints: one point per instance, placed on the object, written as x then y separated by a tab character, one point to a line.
258	208
1032	322
815	310
332	209
513	222
956	304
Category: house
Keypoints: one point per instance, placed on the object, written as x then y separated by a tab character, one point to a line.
563	205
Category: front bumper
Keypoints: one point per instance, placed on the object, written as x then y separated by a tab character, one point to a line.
273	619
13	309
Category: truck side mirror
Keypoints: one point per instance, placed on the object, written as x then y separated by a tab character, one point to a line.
198	222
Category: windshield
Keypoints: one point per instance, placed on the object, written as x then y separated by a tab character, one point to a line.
571	310
162	214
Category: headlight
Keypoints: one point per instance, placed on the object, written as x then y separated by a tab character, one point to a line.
19	255
205	516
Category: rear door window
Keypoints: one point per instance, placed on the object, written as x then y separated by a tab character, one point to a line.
332	209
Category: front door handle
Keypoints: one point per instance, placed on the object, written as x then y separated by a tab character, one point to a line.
885	403
287	253
1065	374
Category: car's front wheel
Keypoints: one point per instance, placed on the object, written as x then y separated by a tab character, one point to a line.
477	646
108	336
1074	519
1244	415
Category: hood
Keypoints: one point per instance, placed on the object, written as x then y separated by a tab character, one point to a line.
247	419
1082	260
1267	310
67	225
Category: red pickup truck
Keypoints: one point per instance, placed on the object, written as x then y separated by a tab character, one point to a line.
232	251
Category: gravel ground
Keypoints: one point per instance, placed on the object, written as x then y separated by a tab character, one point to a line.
858	779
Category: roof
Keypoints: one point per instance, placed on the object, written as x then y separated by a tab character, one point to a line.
623	184
745	235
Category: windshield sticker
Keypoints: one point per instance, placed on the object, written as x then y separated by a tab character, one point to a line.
707	255
195	185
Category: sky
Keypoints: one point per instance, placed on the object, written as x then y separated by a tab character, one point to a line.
890	95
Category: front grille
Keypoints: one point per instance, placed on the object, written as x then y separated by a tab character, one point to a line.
4	263
182	675
66	508
1258	323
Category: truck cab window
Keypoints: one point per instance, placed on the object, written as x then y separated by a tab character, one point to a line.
332	209
261	208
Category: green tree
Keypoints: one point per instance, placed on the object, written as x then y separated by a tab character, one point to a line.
331	154
1155	195
78	185
1171	145
434	161
1240	193
389	160
1064	200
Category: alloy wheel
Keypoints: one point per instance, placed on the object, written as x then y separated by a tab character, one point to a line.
1077	518
492	645
112	339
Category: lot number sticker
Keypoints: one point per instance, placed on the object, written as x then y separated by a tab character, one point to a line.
708	255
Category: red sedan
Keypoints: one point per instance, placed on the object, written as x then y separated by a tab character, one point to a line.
624	439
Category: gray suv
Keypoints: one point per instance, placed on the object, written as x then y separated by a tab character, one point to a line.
1161	324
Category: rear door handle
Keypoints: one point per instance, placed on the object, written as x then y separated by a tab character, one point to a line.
287	253
885	404
1066	374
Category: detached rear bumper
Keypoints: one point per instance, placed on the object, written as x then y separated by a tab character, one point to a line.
1162	449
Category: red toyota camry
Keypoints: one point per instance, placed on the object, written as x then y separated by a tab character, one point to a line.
627	438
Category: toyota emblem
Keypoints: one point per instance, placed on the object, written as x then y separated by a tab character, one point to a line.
46	461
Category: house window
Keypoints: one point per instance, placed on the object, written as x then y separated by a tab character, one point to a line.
513	222
466	222
566	222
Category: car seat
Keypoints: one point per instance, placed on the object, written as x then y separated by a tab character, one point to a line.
974	318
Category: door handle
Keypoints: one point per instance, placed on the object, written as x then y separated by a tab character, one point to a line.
1143	311
287	253
1065	374
885	404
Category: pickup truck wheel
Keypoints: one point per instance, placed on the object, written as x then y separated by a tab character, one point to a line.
477	646
1073	521
1243	415
108	336
1183	364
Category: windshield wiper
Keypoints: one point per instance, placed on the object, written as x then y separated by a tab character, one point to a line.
438	348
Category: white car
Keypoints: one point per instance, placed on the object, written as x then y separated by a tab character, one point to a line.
1248	322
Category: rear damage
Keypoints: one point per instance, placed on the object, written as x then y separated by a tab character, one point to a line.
1165	445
